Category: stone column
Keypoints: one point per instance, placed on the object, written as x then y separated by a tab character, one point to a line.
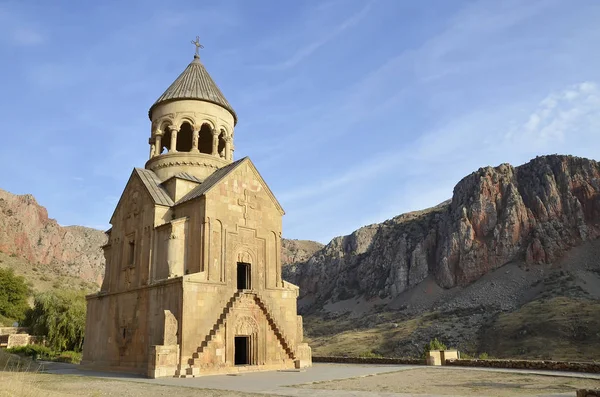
228	148
195	135
152	150
158	142
215	147
232	150
174	130
172	255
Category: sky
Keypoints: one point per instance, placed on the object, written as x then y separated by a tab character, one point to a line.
354	111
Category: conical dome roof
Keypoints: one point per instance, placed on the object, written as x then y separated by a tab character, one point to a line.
194	83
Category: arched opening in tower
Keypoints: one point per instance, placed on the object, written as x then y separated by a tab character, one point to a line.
221	148
166	141
205	139
184	138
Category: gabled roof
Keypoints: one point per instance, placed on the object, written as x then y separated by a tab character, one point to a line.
219	175
152	184
211	181
194	83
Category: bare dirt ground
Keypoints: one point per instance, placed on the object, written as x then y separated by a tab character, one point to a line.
27	384
460	382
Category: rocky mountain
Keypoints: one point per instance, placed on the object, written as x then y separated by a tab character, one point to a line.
297	251
534	212
510	266
27	232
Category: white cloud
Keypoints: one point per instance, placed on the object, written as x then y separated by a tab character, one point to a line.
423	173
565	114
325	38
16	30
24	36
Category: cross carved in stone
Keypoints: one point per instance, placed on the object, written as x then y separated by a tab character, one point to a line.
247	202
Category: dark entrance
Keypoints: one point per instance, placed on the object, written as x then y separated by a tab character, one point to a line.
242	350
243	275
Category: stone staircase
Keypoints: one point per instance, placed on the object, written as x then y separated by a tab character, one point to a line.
287	347
193	369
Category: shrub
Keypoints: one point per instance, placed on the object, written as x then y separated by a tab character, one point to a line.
369	354
33	351
70	357
434	344
13	295
60	316
484	356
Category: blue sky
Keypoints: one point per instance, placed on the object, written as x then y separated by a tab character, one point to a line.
354	111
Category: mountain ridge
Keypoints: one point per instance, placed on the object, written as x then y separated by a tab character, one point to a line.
535	212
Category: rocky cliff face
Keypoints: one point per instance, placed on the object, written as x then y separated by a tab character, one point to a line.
534	212
26	231
297	251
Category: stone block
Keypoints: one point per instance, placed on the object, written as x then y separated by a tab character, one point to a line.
448	355
434	357
163	361
16	340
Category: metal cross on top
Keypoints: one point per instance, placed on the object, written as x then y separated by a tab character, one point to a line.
198	45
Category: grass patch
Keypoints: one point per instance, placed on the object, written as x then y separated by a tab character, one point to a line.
560	328
329	338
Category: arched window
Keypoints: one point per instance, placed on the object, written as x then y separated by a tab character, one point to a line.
165	141
205	139
184	138
221	147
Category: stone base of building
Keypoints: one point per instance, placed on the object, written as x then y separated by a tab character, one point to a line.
237	370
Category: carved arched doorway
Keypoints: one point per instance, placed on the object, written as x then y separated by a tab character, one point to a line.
245	341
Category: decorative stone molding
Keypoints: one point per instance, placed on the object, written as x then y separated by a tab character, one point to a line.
192	163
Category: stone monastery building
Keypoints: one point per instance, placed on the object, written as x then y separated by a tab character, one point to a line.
193	261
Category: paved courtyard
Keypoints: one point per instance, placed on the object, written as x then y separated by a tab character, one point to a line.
372	380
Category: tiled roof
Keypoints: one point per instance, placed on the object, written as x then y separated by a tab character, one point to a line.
211	181
195	83
152	184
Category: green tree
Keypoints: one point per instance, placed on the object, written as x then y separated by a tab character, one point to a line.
60	317
13	295
434	344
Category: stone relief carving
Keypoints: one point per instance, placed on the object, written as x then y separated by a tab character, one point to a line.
134	203
170	329
246	325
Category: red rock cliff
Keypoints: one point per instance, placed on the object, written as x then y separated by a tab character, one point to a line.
26	231
534	212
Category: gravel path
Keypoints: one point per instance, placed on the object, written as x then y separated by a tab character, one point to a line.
322	380
446	382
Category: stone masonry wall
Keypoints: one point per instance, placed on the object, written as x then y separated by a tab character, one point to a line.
368	360
588	393
530	364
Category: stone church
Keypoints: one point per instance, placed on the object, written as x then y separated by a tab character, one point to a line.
193	260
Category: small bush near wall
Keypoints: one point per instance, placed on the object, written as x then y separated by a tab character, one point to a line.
34	351
70	357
